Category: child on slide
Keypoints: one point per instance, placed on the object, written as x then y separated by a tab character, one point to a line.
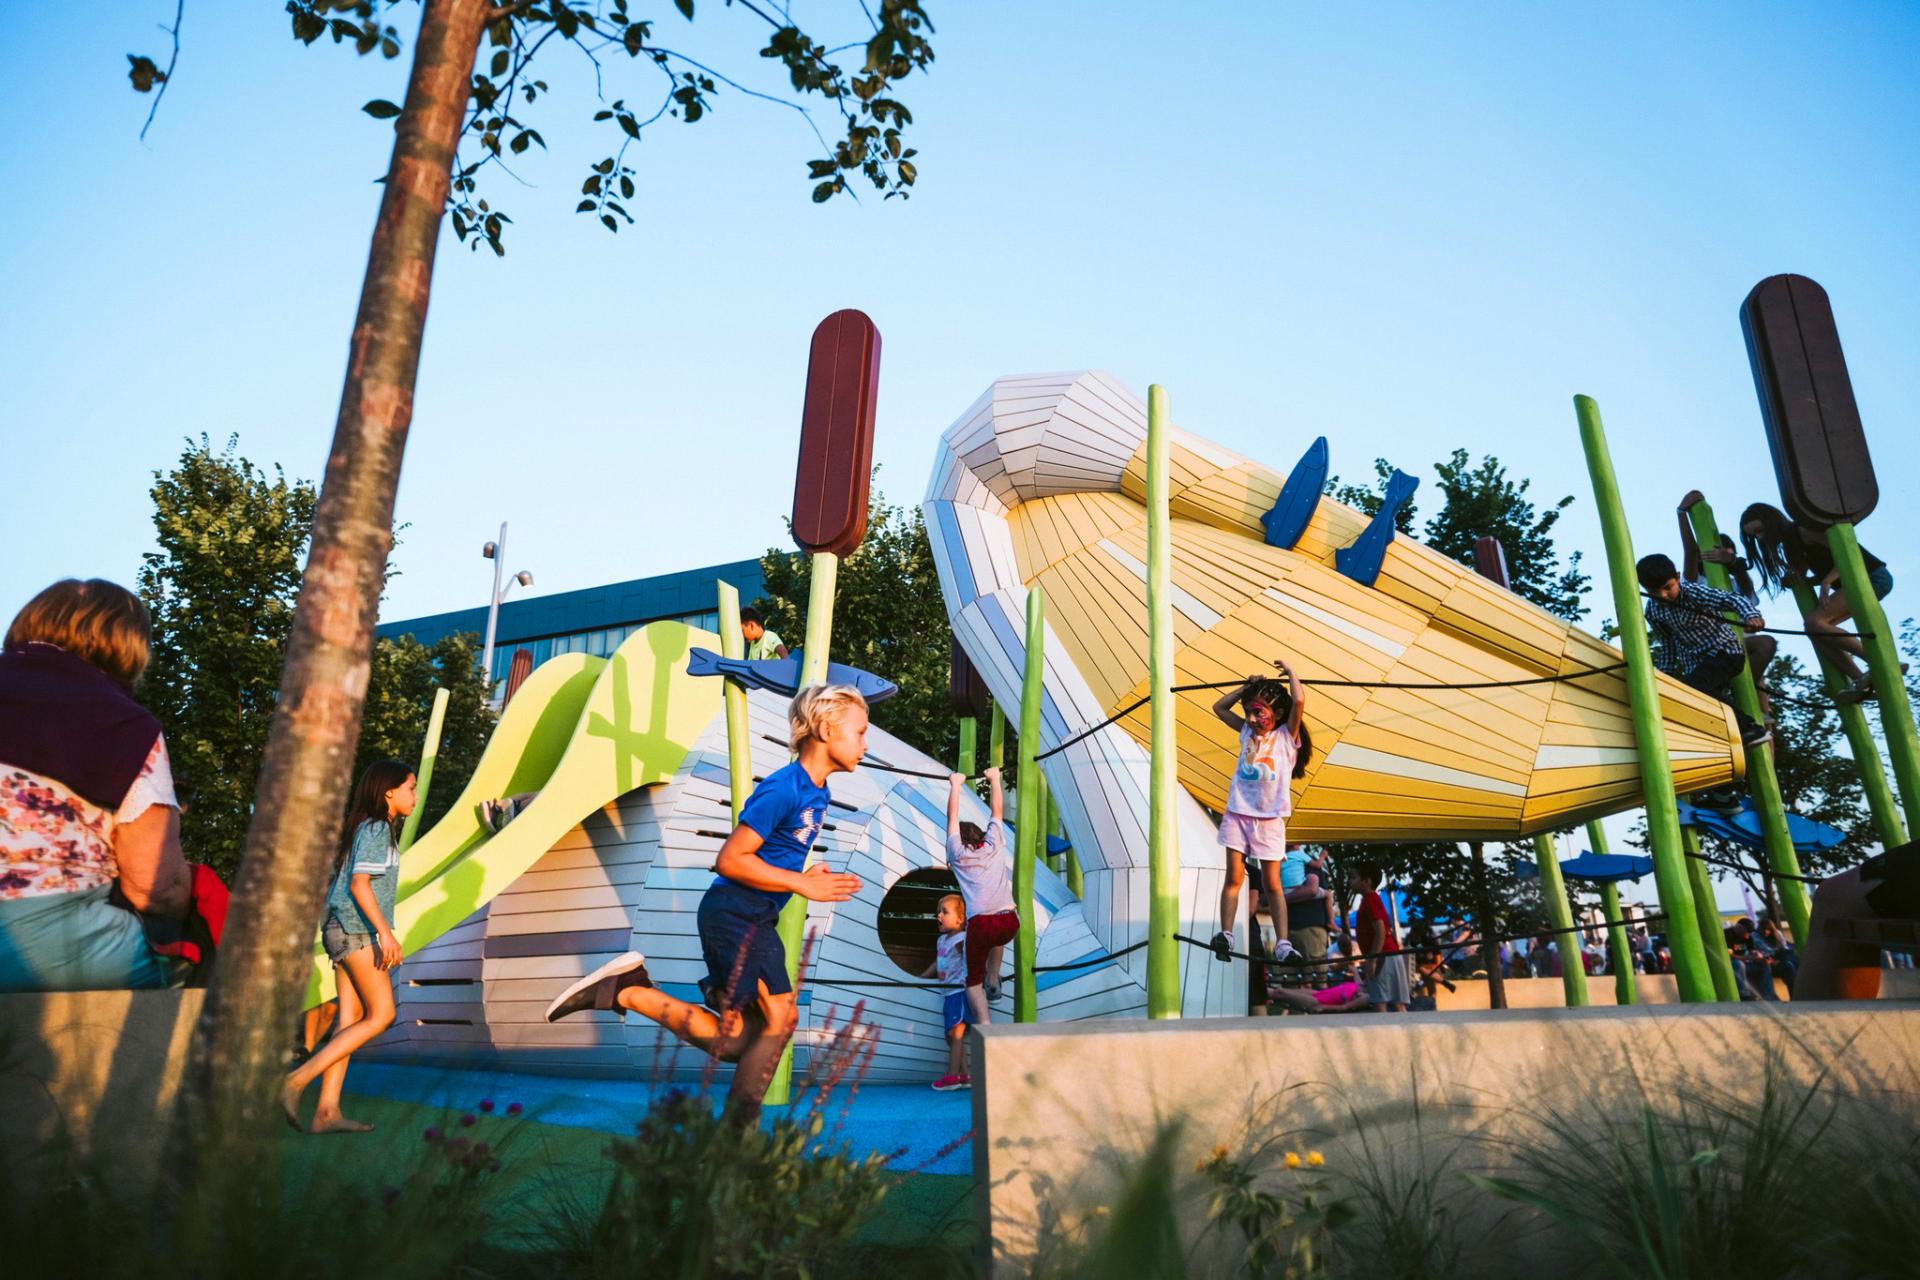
979	862
761	865
1274	749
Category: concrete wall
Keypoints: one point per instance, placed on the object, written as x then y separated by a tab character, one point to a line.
1060	1112
93	1071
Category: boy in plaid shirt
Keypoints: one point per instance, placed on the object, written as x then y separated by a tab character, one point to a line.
1697	645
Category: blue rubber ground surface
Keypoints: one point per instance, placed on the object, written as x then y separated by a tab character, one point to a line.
910	1120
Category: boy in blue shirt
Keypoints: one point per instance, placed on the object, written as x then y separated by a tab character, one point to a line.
750	1014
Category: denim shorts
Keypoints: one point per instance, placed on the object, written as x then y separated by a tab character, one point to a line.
341	941
740	941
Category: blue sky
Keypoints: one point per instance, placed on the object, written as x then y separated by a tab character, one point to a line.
1407	227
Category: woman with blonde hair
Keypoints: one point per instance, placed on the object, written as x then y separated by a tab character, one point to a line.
749	1012
86	797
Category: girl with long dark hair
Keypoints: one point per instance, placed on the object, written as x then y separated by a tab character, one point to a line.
1782	553
358	935
1274	750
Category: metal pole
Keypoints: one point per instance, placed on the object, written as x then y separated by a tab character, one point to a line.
1028	833
739	745
1883	664
1163	847
1860	741
423	776
813	670
1713	933
1649	729
1762	781
1620	950
493	609
1553	888
1489	929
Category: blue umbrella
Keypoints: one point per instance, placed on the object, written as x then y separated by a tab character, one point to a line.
1596	868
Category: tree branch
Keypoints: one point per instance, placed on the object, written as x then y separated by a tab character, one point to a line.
166	77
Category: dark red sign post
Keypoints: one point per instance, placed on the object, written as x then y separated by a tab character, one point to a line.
830	490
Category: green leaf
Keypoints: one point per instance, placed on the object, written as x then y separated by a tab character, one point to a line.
611	224
381	109
907	174
824	192
685	7
143	73
500	62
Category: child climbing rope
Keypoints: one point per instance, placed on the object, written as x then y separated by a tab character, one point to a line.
750	1013
1274	749
1697	646
979	862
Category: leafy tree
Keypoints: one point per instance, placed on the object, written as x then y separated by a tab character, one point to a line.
221	590
450	101
889	618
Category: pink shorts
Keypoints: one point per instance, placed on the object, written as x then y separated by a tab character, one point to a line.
1264	839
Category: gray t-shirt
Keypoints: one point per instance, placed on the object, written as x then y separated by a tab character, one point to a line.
985	874
374	855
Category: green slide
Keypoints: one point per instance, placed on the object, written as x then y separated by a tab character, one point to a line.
582	732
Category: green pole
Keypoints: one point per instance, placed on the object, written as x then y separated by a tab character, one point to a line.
1762	781
739	747
1553	888
1860	742
1163	848
969	745
813	670
1028	833
1625	992
1883	664
997	737
1075	881
1649	729
423	776
1044	815
1713	934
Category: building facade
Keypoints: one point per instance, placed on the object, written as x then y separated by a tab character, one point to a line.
592	620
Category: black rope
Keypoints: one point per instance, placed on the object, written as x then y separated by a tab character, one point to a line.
949	986
1760	871
1759	631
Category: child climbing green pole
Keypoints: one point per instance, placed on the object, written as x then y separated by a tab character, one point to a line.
1861	744
1649	731
1762	782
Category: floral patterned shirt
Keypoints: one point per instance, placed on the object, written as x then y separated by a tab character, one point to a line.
53	841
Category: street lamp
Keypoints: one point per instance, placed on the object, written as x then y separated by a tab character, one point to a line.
497	552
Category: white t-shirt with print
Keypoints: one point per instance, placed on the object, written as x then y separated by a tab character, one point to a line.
1261	779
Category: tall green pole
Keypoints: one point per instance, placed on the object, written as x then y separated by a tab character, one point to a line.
1163	847
1762	781
1076	882
1649	729
1553	888
739	746
1028	833
1713	934
1619	949
1044	815
1860	742
997	736
969	746
423	776
1883	663
813	670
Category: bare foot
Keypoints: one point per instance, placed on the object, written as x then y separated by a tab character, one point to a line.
290	1100
337	1123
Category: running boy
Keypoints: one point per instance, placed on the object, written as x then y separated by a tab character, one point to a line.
751	1012
1273	751
950	965
1697	646
979	862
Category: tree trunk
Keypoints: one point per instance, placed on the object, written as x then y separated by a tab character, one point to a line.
230	1105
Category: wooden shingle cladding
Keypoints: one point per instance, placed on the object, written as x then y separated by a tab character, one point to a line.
1389	764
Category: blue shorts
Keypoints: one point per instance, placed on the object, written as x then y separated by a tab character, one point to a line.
340	940
740	941
1881	580
955	1011
74	942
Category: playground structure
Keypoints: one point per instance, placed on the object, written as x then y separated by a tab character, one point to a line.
1469	713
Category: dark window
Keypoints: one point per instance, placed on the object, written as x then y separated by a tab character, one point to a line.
908	929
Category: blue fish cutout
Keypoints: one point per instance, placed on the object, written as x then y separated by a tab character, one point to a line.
1595	868
1742	827
1361	561
1298	499
782	675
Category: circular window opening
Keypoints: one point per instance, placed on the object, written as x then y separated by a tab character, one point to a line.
909	930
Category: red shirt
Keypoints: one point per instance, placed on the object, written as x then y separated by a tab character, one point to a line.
1371	908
